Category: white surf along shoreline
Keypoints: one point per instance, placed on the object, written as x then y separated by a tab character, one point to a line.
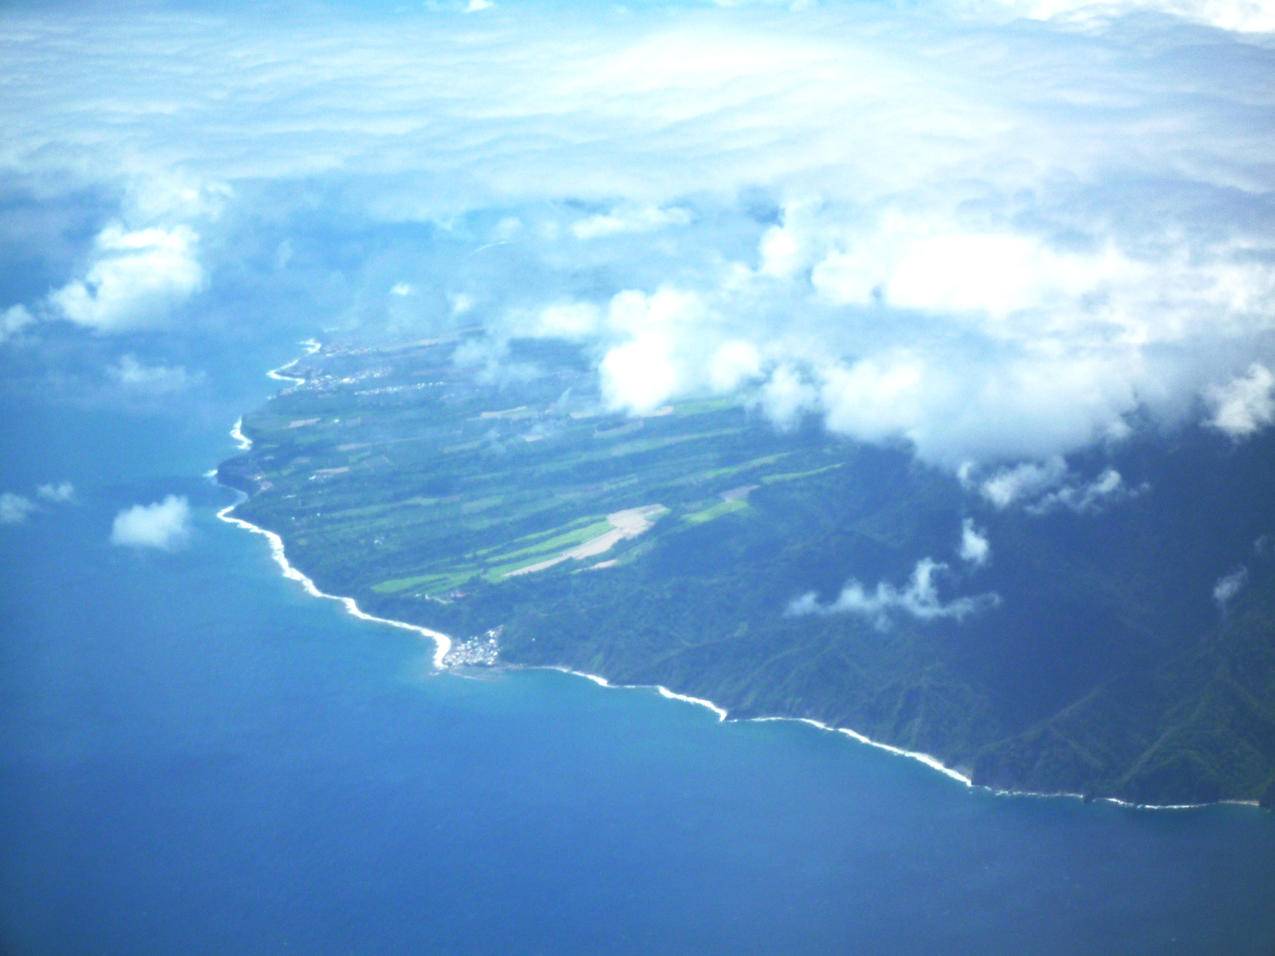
443	644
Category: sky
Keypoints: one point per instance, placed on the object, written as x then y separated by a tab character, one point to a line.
997	233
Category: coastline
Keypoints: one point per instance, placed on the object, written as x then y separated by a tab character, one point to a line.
927	760
242	441
443	644
280	374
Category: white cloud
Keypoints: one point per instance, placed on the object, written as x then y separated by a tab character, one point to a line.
164	525
402	289
790	246
13	320
875	398
1248	16
461	303
1087	497
58	493
668	309
786	397
732	363
1228	586
919	599
14	509
780	252
1042	487
975	548
627	219
174	195
991	240
134	374
1245	404
477	6
1025	480
1000	345
639	375
658	351
910	265
570	320
135	279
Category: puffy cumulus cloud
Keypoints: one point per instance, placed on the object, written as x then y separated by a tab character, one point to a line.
1245	404
923	265
985	350
733	363
995	344
1025	480
786	396
788	247
659	354
1042	487
1088	497
993	240
157	379
669	309
957	404
136	278
918	599
1228	586
975	549
639	375
876	397
60	492
164	525
13	320
14	508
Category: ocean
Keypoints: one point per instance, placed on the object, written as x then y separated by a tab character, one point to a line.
197	757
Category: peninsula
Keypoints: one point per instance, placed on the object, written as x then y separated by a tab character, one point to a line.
787	574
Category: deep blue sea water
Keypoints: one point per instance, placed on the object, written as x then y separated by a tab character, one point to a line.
195	757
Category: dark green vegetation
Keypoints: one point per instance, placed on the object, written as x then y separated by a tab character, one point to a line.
418	484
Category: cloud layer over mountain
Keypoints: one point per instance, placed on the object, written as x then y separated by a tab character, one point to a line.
996	232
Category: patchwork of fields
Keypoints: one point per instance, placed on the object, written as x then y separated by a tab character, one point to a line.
397	474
